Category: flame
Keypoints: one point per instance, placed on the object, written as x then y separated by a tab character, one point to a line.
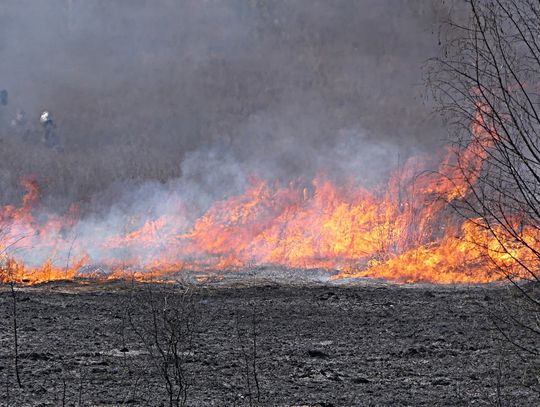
403	232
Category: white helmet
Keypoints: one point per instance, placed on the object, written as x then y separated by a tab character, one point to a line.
45	117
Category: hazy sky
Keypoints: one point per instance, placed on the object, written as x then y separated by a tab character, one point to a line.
211	90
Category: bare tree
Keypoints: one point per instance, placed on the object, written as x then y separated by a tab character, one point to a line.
487	84
7	276
247	339
162	321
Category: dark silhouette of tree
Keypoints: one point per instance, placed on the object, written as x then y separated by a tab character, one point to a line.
487	84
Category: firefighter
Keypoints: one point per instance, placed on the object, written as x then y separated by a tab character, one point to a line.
3	97
19	121
3	102
19	126
50	140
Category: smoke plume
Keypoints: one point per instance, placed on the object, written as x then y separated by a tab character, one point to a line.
212	92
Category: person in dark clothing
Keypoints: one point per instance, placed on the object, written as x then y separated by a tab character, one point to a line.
3	102
50	140
3	97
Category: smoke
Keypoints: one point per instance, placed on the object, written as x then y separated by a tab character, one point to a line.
160	97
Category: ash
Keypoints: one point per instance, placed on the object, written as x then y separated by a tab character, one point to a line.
267	344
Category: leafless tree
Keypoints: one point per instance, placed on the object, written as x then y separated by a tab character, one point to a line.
247	339
162	321
487	84
7	276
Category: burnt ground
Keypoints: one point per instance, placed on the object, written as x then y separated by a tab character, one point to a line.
370	345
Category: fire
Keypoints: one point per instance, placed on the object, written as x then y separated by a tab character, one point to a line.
403	232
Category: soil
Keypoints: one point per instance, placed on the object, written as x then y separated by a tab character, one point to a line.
83	343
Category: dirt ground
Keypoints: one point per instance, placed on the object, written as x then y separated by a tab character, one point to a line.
90	344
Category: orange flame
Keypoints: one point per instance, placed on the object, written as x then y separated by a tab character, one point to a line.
405	233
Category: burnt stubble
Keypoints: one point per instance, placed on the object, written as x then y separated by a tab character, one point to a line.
269	345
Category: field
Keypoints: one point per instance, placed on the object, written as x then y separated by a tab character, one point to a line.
368	344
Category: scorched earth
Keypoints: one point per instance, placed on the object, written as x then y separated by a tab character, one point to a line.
366	344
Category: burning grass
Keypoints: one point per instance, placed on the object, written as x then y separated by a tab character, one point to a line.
405	232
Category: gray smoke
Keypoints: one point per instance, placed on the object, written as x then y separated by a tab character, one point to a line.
203	94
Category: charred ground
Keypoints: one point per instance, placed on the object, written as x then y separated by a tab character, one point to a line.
321	345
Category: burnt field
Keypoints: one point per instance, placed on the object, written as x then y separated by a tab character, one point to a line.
117	343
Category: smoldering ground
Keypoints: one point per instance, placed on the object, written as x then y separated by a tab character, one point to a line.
314	346
157	90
